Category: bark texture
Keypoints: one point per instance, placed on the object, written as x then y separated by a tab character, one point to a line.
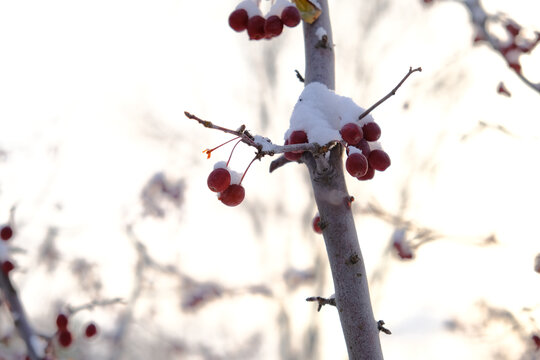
353	303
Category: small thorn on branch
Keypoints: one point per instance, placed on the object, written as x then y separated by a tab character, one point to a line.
322	301
380	325
391	93
299	76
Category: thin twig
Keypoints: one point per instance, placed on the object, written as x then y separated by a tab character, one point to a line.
274	149
299	76
391	93
381	327
322	301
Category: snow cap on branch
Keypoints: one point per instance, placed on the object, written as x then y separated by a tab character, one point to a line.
321	113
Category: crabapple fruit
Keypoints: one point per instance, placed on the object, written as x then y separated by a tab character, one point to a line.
370	173
291	156
91	330
6	233
238	20
290	16
356	164
379	160
61	322
233	195
372	131
65	338
317	224
255	27
273	26
298	137
7	266
351	133
219	180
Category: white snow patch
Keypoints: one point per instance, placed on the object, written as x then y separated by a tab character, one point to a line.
277	8
320	32
251	6
38	345
220	164
264	142
321	113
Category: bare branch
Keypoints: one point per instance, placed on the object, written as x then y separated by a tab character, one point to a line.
391	93
19	315
380	324
322	301
299	76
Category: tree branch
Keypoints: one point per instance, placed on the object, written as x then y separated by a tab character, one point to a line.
360	329
19	316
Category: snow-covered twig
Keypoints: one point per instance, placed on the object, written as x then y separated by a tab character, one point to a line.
263	145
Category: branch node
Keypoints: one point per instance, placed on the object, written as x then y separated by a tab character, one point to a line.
380	326
322	301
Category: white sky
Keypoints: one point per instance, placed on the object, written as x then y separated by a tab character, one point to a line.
91	106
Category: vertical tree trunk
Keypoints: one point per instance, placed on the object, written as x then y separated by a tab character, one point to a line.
353	303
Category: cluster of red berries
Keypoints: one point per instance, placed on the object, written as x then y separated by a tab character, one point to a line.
516	46
248	16
363	156
219	181
64	336
6	233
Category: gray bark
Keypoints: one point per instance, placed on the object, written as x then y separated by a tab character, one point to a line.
353	303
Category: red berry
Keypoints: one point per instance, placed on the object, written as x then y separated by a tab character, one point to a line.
6	233
273	26
90	330
61	322
372	131
369	174
290	16
291	156
379	160
317	224
536	340
65	338
255	27
7	266
351	133
233	195
364	146
513	28
298	137
356	165
219	180
238	20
